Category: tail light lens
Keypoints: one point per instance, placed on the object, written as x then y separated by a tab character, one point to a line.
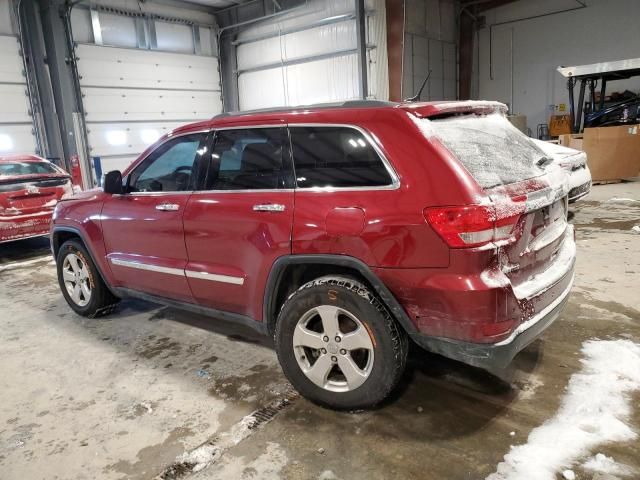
476	225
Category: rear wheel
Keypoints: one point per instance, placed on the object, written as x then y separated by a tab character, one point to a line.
338	345
81	284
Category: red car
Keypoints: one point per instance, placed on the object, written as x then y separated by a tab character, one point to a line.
30	188
342	231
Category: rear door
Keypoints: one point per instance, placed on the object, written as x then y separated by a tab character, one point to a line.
143	230
241	220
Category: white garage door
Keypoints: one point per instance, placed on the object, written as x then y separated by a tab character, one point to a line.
132	97
310	56
16	128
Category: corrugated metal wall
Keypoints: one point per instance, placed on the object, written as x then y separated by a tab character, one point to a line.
16	123
310	56
430	44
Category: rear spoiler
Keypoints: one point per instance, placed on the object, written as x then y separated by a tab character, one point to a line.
427	110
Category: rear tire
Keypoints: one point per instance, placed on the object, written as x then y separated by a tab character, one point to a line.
81	283
338	345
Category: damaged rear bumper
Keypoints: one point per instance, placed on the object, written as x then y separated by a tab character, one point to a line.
493	356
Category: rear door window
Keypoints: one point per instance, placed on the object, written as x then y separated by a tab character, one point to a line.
340	157
490	147
250	159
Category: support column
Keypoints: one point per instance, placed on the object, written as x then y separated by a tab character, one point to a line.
465	40
361	35
65	91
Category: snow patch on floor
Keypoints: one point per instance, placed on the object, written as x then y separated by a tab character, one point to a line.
26	263
620	200
528	388
603	464
593	412
208	453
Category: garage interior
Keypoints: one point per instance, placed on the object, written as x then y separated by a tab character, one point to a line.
153	392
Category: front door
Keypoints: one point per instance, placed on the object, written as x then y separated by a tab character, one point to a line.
143	230
240	222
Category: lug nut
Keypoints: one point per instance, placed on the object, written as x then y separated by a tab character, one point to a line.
324	350
334	359
325	338
338	339
343	351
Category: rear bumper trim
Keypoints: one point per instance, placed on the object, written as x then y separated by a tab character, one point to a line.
497	355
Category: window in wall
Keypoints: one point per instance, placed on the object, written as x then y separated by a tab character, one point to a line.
169	168
174	37
250	159
118	30
336	157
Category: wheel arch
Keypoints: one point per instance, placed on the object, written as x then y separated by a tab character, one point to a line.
63	233
302	268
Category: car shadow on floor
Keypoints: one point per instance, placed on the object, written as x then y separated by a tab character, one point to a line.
456	398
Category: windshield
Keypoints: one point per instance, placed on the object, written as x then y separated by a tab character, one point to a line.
491	148
15	169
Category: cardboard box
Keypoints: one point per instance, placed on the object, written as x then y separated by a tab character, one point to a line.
571	140
613	153
559	125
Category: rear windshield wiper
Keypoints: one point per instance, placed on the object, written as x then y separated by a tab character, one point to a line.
544	161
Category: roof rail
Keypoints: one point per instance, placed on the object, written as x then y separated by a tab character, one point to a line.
346	104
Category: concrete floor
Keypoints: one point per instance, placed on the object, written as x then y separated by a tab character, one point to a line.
126	395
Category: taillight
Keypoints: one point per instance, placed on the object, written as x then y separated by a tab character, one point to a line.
476	225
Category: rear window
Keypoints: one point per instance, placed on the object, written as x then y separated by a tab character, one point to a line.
490	147
15	169
339	157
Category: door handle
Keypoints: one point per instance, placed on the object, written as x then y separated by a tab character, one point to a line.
168	207
269	207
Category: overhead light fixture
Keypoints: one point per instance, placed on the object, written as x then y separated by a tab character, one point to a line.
116	137
6	143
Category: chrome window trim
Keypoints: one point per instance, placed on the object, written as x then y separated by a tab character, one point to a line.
252	190
214	277
146	266
395	179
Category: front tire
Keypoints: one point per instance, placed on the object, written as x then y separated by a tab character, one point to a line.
338	345
80	283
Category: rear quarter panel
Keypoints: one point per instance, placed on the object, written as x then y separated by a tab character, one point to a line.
395	233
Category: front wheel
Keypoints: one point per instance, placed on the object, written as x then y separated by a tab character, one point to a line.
81	284
338	345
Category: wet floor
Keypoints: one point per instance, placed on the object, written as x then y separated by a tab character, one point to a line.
127	396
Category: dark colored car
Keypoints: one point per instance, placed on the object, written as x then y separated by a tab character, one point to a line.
342	231
30	187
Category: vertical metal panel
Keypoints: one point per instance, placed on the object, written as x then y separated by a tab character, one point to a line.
95	26
197	49
361	35
141	34
152	38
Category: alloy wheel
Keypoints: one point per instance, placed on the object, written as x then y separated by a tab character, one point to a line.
333	348
75	274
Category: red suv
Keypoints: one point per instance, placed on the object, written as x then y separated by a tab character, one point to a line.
343	231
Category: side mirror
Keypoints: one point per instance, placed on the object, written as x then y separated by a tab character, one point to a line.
113	183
